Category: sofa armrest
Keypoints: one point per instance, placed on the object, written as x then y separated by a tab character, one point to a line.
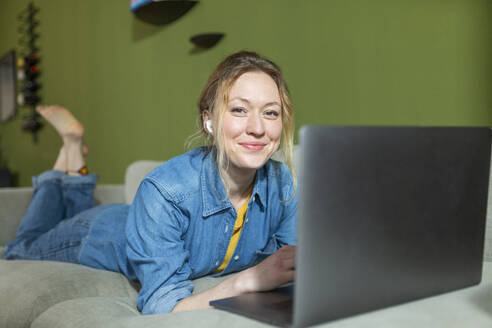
14	203
109	193
134	175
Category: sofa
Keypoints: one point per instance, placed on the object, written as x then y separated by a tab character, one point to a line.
42	294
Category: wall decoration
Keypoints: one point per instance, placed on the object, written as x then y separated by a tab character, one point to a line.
206	41
28	68
160	12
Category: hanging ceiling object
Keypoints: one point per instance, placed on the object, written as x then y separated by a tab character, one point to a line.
160	12
207	40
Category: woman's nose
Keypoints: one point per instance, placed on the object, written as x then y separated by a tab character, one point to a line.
255	125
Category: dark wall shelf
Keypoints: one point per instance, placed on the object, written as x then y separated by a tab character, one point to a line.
207	40
161	12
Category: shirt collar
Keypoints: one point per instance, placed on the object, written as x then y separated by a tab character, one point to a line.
214	197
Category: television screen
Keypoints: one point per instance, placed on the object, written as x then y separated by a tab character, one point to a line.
8	95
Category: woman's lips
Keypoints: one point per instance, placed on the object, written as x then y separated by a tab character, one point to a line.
253	146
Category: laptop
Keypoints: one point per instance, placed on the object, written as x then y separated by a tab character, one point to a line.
386	215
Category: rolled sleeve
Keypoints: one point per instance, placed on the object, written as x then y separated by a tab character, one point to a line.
165	299
155	249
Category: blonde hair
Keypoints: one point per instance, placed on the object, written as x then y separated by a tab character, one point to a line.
214	99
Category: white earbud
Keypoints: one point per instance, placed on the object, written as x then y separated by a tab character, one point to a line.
208	124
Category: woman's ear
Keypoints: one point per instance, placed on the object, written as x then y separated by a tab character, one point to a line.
207	121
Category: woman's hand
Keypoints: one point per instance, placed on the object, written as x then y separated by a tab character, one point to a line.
275	271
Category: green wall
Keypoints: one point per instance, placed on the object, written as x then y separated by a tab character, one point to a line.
135	86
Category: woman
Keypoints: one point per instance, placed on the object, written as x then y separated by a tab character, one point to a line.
212	211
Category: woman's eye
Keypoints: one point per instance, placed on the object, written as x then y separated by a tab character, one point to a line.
237	110
272	114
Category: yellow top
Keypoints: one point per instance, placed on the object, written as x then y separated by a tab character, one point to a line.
238	226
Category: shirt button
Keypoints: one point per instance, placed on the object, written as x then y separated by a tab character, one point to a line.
254	198
217	262
246	221
236	257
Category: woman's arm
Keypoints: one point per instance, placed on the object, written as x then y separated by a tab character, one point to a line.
275	271
156	250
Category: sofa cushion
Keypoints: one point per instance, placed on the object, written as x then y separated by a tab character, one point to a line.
122	312
88	312
109	312
31	287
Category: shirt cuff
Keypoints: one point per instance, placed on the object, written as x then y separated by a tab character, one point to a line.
165	299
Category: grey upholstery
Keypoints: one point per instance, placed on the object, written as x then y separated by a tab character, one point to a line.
13	205
28	288
115	312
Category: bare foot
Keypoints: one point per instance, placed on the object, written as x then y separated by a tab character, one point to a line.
71	131
62	120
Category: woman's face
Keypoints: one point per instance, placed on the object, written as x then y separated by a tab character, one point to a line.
252	122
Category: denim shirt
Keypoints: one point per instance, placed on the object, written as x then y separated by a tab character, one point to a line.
181	222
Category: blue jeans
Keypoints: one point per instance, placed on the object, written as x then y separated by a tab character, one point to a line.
62	224
52	228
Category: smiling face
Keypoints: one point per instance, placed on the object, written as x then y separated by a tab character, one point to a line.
252	121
